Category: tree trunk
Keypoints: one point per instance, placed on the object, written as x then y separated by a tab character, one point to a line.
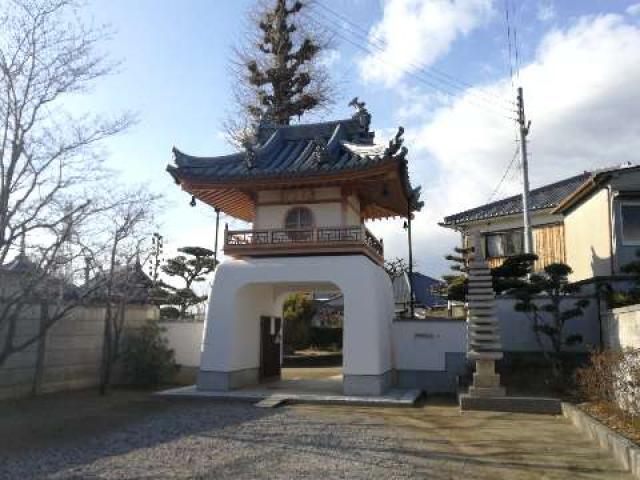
36	387
105	371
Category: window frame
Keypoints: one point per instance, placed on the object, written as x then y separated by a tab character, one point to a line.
504	234
300	208
623	203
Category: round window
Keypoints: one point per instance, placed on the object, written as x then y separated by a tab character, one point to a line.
297	218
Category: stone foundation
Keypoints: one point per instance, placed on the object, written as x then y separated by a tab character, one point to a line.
367	385
224	381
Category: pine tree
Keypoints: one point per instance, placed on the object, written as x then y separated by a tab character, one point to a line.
280	73
193	266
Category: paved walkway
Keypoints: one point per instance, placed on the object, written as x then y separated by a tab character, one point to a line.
326	380
212	440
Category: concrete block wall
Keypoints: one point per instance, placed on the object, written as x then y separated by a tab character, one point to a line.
429	354
185	339
621	327
517	334
71	351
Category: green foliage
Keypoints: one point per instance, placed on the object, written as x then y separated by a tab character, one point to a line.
456	285
632	296
298	311
284	73
513	272
147	358
192	267
542	297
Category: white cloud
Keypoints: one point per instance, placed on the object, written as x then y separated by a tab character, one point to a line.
418	32
546	11
634	9
329	58
582	97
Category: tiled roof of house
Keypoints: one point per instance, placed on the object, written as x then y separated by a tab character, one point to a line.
423	290
548	196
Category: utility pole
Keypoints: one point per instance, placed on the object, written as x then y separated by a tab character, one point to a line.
410	273
524	131
215	248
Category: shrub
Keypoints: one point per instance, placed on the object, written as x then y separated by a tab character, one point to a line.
169	313
147	358
612	378
298	310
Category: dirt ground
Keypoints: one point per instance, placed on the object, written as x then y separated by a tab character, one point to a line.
128	434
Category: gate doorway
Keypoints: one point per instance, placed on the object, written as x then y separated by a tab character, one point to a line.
270	340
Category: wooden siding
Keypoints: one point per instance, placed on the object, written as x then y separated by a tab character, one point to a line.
549	244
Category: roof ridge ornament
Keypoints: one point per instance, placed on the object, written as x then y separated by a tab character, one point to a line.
362	115
249	157
320	156
395	144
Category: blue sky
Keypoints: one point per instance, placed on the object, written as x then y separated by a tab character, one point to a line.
579	65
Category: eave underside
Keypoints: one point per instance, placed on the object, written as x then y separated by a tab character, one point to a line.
381	192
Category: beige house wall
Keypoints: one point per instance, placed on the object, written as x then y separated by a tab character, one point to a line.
588	238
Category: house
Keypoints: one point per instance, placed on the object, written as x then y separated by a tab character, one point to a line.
590	221
306	190
425	293
329	310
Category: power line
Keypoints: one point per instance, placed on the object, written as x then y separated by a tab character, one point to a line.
489	107
508	24
432	71
504	175
515	44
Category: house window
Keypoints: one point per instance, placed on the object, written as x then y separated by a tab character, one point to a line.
504	244
630	219
297	218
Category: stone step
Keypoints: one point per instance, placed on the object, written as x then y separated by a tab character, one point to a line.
483	323
481	347
272	401
484	337
483	355
550	406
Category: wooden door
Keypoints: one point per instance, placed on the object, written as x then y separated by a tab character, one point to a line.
269	347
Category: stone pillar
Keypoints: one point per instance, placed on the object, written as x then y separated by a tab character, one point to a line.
484	344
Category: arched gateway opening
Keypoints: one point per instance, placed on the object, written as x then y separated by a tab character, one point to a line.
246	306
307	191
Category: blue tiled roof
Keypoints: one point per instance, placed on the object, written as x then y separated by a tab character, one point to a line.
541	198
314	152
290	151
423	293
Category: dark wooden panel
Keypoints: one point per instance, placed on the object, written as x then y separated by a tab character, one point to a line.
269	348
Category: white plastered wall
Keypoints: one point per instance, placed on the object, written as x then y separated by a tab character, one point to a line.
329	207
243	290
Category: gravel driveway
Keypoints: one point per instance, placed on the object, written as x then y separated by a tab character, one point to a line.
201	439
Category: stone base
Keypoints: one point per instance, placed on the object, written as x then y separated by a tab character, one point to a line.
367	385
551	406
224	381
497	391
486	382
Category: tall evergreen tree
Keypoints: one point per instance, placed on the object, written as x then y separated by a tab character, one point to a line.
279	70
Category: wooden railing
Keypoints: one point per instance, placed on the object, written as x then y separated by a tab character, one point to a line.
322	239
